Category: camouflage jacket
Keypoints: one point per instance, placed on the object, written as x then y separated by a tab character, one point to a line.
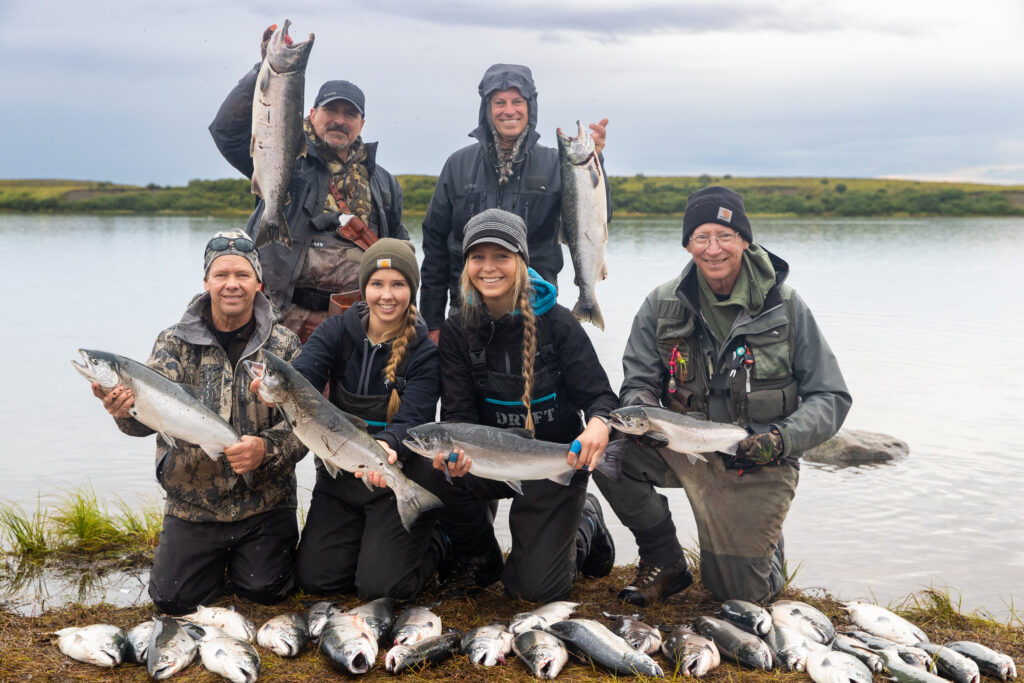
198	487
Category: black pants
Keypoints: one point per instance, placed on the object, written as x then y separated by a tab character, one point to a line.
544	524
354	541
257	554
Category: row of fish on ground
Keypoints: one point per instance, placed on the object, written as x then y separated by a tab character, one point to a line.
788	635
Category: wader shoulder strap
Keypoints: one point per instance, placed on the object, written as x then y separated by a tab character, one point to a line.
478	354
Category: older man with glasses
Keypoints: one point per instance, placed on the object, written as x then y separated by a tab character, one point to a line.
725	341
218	524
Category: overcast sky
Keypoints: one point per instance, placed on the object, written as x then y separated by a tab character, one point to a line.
930	89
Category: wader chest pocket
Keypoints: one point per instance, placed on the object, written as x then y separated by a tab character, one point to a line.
767	405
536	183
771	354
675	334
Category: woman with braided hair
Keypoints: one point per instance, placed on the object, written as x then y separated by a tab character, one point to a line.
378	364
511	357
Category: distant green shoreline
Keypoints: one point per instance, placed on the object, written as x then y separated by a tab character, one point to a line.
637	195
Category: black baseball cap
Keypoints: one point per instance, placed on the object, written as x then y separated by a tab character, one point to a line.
341	90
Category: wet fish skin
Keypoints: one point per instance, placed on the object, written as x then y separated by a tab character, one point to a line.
747	615
415	624
989	661
502	454
340	440
427	651
910	654
681	433
487	645
138	642
790	647
830	666
379	616
584	218
277	134
101	645
951	664
593	640
284	635
902	672
880	622
542	653
230	658
640	636
858	649
542	616
348	643
316	615
735	643
804	618
234	624
171	649
693	654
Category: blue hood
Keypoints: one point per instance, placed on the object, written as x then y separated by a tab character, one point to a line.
544	294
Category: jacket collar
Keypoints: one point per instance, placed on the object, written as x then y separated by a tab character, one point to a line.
193	329
688	290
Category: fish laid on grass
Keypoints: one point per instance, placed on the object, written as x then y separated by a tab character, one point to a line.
230	658
990	662
829	666
507	455
316	615
790	647
880	622
692	654
340	440
415	624
584	218
284	635
747	615
379	616
910	654
540	652
902	672
594	642
171	649
641	637
349	643
736	644
542	616
138	642
951	664
852	646
168	408
234	624
804	618
98	644
487	645
277	134
680	433
427	651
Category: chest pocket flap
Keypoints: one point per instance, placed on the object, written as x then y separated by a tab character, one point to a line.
772	353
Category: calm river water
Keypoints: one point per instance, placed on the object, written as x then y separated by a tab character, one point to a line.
924	316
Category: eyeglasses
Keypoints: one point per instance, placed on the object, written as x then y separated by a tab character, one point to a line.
724	239
242	244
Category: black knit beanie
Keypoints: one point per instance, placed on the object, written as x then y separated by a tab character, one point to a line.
716	204
390	253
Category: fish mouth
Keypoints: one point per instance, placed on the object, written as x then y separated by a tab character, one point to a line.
254	368
84	366
414	442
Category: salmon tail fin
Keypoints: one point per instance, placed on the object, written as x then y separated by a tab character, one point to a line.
273	228
587	311
610	462
412	500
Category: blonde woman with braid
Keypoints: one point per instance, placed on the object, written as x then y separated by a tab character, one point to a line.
512	357
378	364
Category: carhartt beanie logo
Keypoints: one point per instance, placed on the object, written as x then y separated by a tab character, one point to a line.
716	204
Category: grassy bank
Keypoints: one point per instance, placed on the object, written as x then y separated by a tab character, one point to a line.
632	195
28	651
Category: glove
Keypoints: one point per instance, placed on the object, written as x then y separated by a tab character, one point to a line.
757	450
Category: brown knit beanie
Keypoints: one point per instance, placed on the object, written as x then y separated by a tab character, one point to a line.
389	252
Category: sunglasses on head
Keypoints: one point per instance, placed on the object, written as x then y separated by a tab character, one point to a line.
243	244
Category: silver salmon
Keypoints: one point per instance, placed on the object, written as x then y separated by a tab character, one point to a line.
593	641
99	644
692	654
829	666
506	455
991	662
584	218
951	664
340	440
284	635
880	622
680	433
230	658
171	649
542	653
736	644
542	616
487	645
277	135
415	624
428	651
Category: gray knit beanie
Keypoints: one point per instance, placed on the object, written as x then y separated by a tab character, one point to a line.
496	226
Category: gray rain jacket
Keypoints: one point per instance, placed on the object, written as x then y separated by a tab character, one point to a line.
795	382
468	184
232	131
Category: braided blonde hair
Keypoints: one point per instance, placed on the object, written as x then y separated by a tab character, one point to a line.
399	349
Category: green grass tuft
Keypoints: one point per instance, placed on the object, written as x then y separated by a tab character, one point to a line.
27	535
142	528
85	525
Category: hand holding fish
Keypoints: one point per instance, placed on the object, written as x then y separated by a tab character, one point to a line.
375	477
247	454
600	132
254	387
593	441
118	402
456	468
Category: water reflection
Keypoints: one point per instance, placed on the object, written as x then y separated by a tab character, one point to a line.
31	587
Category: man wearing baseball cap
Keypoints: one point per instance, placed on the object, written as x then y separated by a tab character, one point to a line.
233	516
340	201
725	341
